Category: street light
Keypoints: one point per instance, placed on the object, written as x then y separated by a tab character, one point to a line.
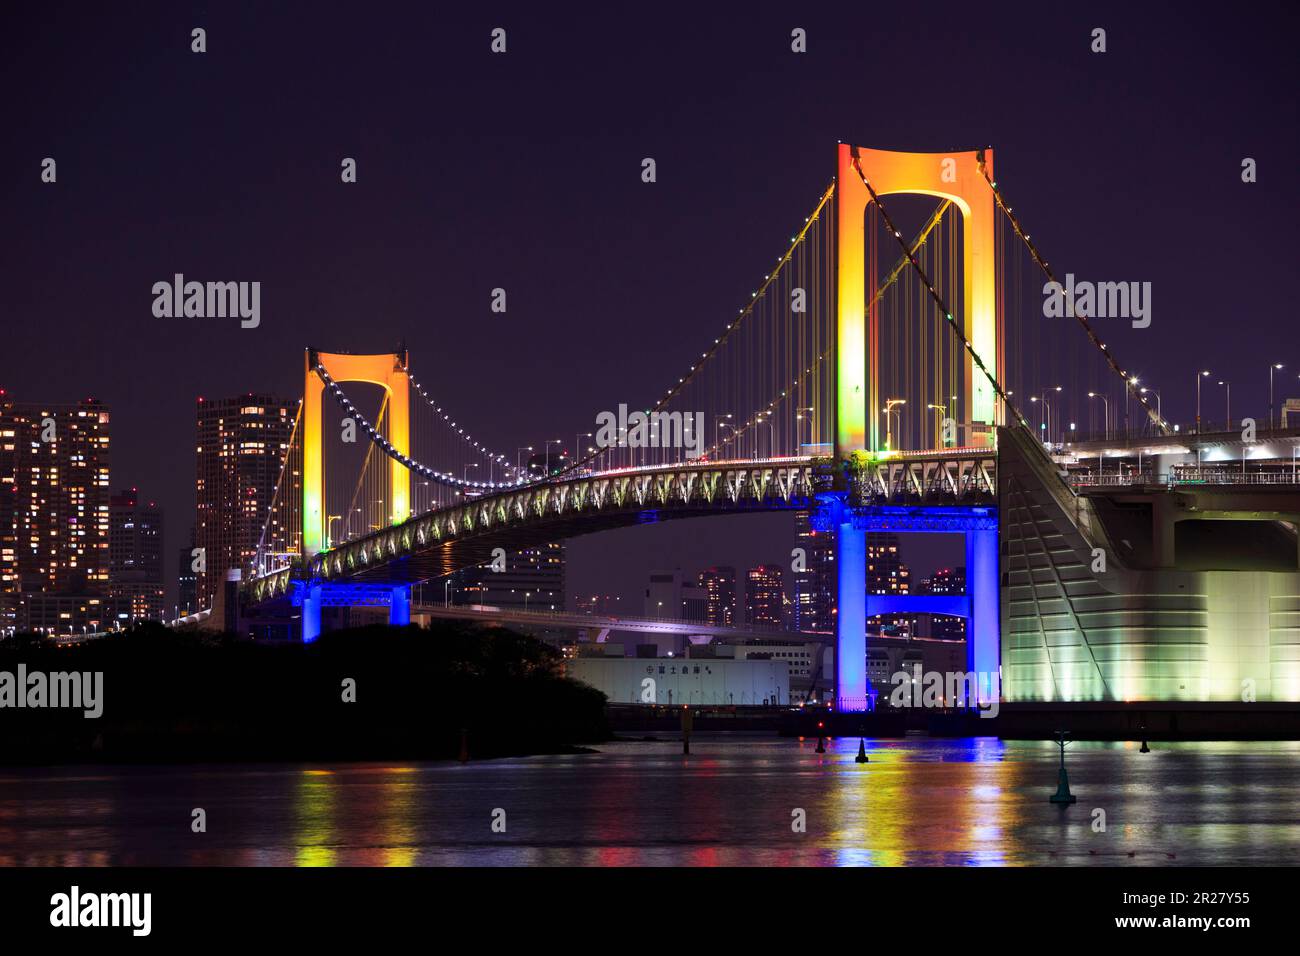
890	405
1042	397
716	426
549	442
1127	392
943	414
1228	386
1200	376
328	525
1042	419
1271	370
1105	412
518	452
1156	392
771	437
799	416
464	472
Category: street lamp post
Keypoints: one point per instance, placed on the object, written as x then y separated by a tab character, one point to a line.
1159	414
1228	386
464	472
1271	370
549	442
799	416
1199	376
890	405
1127	393
720	424
518	453
1043	398
943	415
1105	402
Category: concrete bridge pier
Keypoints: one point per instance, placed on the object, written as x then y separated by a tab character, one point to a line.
851	618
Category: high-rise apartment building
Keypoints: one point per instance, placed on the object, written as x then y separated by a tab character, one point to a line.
54	516
887	574
765	595
135	557
946	581
814	586
240	449
719	584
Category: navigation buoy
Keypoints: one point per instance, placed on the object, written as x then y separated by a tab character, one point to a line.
463	756
1063	794
1145	749
862	752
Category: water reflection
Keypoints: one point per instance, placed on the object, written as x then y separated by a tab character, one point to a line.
976	802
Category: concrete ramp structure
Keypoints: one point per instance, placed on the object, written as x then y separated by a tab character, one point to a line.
1145	593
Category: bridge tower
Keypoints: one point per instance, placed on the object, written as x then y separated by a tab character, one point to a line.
389	372
955	176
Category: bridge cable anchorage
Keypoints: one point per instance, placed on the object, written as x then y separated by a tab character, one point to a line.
938	299
383	444
718	343
1129	384
468	439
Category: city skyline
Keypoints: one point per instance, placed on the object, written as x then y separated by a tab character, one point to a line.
273	210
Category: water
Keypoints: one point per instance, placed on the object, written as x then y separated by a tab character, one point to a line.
976	801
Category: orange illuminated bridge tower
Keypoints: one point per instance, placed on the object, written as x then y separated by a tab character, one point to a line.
955	176
389	372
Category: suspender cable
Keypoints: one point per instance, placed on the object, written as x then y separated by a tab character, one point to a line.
1129	383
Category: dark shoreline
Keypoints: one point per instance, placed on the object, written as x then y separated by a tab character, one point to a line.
355	695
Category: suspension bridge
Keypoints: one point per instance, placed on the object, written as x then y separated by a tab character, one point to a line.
881	380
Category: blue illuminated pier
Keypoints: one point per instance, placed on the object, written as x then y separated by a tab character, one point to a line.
978	606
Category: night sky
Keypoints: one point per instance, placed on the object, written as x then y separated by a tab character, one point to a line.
522	171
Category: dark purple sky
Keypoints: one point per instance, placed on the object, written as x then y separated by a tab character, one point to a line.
522	171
